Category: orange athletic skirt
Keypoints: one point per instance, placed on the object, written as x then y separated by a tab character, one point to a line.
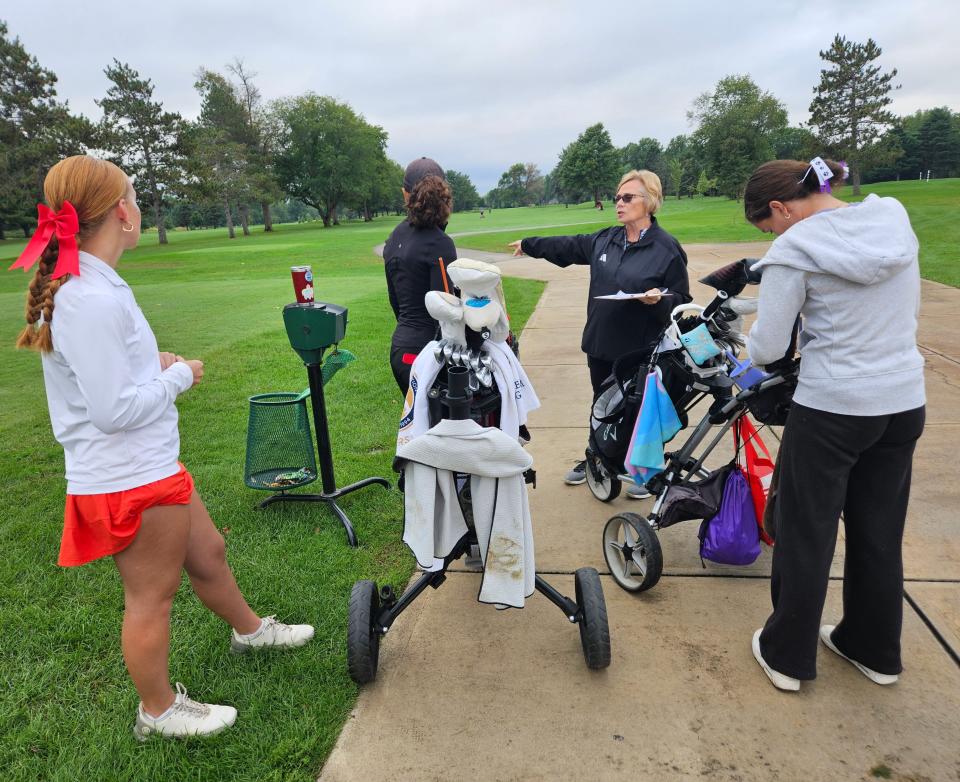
99	525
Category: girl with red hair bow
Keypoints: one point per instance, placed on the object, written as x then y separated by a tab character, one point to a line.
111	396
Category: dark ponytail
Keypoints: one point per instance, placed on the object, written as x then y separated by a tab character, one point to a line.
430	203
783	180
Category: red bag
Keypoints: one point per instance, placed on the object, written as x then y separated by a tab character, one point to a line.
759	469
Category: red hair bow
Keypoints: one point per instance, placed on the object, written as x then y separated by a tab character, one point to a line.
65	224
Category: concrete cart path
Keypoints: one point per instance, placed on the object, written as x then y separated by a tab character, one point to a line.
465	691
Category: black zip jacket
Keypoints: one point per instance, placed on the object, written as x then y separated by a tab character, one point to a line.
411	259
615	328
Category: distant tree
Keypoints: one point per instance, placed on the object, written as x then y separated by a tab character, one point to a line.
590	165
939	143
736	126
36	130
511	189
327	154
219	172
533	185
492	198
706	185
849	105
259	141
910	163
647	153
550	192
675	165
386	195
465	195
792	143
146	141
683	160
220	146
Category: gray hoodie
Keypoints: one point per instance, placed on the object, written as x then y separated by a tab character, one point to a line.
854	276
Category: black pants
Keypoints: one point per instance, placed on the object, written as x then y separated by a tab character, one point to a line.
860	466
401	370
600	370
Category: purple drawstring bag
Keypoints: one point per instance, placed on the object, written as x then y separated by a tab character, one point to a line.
732	536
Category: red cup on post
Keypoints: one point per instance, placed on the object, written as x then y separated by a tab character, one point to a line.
302	283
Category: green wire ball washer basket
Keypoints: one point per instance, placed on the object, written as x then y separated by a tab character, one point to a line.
280	451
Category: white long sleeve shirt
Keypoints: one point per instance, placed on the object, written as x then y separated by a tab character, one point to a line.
111	406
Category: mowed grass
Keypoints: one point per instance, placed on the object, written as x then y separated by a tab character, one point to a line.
932	206
67	706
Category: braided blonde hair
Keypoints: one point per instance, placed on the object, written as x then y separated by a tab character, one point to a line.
94	187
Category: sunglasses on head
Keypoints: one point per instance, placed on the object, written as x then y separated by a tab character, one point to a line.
626	197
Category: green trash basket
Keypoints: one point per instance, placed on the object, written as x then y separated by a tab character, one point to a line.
280	450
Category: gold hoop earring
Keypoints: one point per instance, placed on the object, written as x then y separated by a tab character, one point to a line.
123	227
786	216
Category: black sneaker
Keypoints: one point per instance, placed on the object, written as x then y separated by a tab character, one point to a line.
577	475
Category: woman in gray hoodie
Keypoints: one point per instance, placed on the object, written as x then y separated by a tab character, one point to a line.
851	272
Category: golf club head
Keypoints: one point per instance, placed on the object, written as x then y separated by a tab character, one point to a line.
474	361
438	351
485	376
447	351
455	354
473	383
486	362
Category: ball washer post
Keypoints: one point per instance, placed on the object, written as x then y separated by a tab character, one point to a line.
312	328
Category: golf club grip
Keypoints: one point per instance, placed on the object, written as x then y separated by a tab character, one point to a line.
714	305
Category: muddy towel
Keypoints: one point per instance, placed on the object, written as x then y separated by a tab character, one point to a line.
434	521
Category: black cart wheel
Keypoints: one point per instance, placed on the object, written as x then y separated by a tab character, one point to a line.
594	630
363	639
632	551
604	486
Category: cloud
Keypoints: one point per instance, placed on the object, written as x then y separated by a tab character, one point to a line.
486	84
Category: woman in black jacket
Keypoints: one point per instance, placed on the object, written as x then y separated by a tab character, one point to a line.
415	259
637	256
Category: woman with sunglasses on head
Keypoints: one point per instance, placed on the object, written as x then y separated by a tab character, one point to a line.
851	271
111	394
637	256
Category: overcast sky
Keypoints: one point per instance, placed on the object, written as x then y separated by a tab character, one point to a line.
485	84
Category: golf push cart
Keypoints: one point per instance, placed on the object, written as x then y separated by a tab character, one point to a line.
685	489
468	372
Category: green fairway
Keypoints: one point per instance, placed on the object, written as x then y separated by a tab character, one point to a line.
68	706
933	207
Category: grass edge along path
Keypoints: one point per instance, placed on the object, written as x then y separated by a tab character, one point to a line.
68	707
932	207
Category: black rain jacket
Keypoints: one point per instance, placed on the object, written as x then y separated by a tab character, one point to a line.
412	261
615	328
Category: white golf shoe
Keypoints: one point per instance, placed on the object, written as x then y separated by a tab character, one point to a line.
272	634
184	718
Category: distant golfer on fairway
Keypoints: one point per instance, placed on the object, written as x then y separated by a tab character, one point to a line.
111	396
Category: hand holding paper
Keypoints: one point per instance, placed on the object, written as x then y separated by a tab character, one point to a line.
651	296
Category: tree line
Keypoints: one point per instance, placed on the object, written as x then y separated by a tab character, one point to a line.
738	126
244	161
241	162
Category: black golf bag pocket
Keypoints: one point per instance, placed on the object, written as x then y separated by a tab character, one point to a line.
696	499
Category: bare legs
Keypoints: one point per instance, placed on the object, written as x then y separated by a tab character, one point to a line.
210	575
171	538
